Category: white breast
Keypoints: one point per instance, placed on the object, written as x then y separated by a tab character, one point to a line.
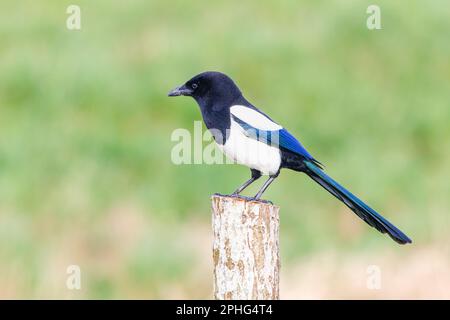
250	152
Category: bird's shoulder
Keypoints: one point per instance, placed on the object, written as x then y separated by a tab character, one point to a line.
254	117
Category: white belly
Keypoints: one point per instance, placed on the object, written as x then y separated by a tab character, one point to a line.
250	152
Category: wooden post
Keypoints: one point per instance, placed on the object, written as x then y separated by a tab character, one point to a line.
245	249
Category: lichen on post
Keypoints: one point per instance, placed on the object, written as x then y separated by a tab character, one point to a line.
245	249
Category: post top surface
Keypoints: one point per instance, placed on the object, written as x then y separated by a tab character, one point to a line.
244	199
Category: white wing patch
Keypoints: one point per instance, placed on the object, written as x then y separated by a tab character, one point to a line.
254	118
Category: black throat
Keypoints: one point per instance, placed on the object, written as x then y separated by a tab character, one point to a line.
216	113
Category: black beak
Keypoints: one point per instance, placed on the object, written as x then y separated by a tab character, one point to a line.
180	91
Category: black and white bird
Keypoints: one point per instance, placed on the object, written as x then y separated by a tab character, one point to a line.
250	137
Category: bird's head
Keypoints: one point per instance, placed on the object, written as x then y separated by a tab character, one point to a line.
208	87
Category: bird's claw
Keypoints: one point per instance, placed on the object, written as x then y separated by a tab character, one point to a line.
233	195
239	196
261	200
257	200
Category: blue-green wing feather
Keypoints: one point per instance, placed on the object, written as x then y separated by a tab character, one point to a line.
280	138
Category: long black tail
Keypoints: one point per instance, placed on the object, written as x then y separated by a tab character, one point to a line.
363	211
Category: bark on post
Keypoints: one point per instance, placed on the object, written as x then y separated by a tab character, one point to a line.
245	249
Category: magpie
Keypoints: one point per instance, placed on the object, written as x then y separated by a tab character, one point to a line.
250	137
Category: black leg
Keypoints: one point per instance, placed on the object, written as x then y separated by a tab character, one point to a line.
266	185
255	176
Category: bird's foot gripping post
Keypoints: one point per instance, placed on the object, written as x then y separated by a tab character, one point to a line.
245	249
235	195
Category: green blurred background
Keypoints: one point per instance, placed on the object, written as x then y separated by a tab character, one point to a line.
85	171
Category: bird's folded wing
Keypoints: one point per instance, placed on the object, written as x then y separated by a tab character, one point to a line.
257	126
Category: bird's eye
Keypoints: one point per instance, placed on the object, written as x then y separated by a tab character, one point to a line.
194	86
